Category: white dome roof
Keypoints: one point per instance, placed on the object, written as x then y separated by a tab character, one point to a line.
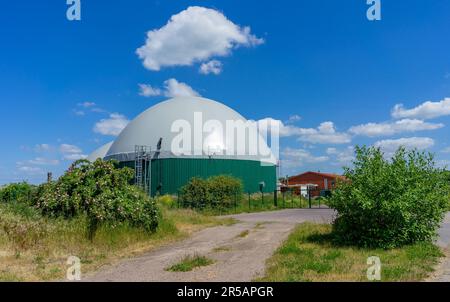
100	152
157	122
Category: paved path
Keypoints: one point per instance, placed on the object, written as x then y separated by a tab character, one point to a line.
237	258
442	273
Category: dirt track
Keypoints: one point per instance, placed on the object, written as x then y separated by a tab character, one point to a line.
238	258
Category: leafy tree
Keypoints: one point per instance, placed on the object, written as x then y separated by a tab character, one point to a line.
389	203
100	191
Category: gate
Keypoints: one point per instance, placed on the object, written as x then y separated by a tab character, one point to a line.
310	198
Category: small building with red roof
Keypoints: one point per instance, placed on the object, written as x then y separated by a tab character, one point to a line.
316	181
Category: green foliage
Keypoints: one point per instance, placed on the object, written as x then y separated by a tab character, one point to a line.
189	263
217	191
225	190
389	203
167	201
21	192
100	191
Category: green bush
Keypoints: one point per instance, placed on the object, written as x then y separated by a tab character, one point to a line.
100	191
389	203
21	192
225	190
196	193
167	201
216	191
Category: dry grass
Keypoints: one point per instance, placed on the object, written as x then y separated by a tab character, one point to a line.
46	260
309	255
222	249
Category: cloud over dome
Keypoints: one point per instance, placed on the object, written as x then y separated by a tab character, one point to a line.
194	35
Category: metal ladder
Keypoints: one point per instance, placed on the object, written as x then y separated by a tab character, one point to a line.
141	158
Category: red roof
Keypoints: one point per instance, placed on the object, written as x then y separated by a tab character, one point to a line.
330	175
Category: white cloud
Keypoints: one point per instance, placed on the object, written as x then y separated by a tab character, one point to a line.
69	149
193	35
332	151
386	129
446	150
213	66
294	118
40	161
31	170
42	148
79	112
389	146
87	104
173	88
87	107
427	110
71	152
112	125
341	157
147	90
293	158
324	134
75	156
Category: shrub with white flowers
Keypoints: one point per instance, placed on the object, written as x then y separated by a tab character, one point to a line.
102	192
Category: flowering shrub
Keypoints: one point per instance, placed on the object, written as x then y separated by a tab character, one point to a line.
100	191
389	203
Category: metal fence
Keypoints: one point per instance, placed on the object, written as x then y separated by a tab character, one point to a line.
311	198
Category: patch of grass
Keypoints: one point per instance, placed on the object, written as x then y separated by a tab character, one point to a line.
222	249
45	258
243	234
189	263
260	225
6	276
309	254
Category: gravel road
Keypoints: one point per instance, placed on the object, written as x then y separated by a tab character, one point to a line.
237	258
442	273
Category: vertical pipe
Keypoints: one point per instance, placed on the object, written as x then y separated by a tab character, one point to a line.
275	196
262	200
309	197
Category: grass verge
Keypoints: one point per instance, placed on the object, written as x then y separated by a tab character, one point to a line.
188	263
45	245
309	255
257	204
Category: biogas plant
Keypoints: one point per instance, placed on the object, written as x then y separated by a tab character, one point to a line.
186	137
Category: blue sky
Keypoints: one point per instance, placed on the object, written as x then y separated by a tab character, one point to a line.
318	67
